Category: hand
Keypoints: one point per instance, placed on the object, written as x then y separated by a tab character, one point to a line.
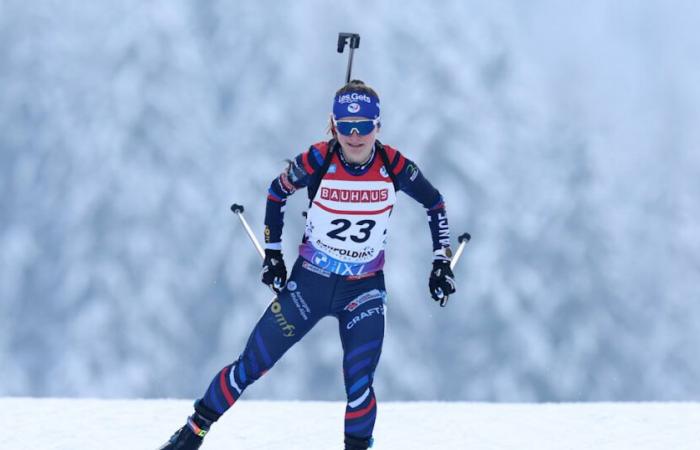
442	280
274	272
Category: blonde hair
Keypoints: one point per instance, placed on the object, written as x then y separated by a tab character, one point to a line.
356	86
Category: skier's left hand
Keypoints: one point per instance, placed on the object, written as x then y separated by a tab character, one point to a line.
442	280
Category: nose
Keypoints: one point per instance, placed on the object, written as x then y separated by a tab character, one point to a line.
354	134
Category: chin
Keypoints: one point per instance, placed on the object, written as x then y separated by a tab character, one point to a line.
359	155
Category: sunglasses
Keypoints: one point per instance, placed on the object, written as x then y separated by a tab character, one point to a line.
362	127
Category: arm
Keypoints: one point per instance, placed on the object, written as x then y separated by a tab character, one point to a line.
415	185
295	176
410	180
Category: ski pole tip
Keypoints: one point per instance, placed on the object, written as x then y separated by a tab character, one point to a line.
236	208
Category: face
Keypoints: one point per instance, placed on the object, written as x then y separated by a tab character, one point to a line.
356	147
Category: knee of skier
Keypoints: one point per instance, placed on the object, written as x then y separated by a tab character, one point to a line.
358	385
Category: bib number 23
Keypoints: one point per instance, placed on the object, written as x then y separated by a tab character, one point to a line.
363	233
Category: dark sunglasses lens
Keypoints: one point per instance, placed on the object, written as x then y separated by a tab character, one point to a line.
363	127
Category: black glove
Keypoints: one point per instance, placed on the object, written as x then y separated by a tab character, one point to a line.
442	280
274	272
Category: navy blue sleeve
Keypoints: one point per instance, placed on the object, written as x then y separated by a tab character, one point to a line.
295	176
415	185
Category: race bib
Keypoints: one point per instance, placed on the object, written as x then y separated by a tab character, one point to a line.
346	226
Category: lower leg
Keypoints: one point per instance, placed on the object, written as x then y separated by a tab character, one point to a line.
362	334
359	365
223	391
360	415
281	326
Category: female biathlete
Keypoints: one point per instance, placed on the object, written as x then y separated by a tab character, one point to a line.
352	182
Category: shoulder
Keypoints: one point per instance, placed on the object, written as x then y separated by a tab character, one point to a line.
319	147
397	161
313	158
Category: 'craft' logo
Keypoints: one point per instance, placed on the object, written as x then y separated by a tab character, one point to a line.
378	311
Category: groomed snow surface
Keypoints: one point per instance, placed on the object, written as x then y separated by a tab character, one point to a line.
76	424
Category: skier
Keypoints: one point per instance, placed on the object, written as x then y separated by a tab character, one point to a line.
352	182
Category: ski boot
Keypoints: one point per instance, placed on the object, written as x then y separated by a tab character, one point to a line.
191	435
355	443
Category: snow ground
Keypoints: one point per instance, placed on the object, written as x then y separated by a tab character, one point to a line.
77	424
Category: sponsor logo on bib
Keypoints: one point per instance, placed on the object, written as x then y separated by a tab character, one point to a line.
355	195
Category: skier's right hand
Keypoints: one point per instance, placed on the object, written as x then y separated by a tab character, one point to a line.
274	272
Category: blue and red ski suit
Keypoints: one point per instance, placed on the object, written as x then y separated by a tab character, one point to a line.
320	284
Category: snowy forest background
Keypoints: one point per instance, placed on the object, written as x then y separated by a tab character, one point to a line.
563	135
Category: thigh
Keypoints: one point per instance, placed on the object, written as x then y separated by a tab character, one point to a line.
362	322
290	315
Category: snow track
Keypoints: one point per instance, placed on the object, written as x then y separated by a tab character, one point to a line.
77	424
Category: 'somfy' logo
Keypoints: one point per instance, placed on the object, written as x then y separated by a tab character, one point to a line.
286	327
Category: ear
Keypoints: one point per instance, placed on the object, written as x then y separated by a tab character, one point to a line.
331	126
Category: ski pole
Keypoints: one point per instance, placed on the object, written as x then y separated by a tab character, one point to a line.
463	239
354	43
238	210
